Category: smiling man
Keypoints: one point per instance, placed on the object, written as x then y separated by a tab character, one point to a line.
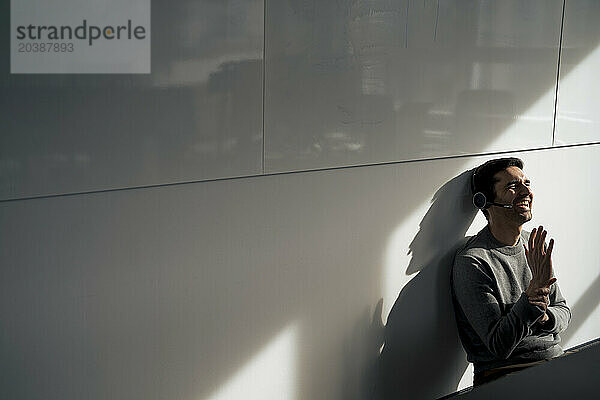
508	306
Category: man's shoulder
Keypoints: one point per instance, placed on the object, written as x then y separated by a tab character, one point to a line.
474	246
471	260
471	255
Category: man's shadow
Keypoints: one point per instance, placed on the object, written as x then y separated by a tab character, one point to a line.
422	355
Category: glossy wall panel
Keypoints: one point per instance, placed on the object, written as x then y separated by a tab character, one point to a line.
371	81
182	291
198	115
577	119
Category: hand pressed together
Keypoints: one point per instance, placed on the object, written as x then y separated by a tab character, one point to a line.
539	297
539	261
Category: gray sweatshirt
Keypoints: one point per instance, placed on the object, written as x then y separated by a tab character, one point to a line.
496	323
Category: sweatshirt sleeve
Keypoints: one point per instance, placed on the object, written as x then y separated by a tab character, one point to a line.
558	311
474	291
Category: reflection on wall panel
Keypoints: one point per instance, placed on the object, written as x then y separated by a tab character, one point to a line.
578	120
352	82
183	292
197	115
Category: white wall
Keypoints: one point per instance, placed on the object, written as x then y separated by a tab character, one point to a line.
169	292
269	286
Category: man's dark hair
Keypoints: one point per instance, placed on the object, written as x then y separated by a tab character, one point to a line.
483	176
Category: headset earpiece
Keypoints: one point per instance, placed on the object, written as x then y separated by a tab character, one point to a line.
480	201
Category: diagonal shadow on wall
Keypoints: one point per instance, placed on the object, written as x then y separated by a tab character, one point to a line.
215	313
583	308
422	355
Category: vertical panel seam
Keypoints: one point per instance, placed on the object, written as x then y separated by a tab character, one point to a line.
406	26
264	79
560	40
437	17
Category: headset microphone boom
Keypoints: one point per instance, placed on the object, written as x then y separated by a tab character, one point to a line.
480	201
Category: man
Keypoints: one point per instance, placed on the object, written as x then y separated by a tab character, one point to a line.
509	310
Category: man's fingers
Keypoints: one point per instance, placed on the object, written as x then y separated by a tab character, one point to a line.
541	291
540	230
539	300
540	304
531	239
550	247
543	241
550	282
539	239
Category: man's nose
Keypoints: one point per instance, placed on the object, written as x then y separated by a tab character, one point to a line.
525	189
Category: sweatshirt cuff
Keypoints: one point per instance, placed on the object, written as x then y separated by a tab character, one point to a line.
526	311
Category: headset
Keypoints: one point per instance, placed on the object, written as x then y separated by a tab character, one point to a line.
479	199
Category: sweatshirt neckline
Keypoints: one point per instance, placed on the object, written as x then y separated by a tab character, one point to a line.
501	247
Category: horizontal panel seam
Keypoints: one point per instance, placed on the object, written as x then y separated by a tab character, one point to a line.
376	164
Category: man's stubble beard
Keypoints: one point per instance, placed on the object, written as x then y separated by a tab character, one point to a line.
520	219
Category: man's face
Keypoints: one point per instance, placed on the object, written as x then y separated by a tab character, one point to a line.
513	188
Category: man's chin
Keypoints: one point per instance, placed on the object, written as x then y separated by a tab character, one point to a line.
523	217
526	216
